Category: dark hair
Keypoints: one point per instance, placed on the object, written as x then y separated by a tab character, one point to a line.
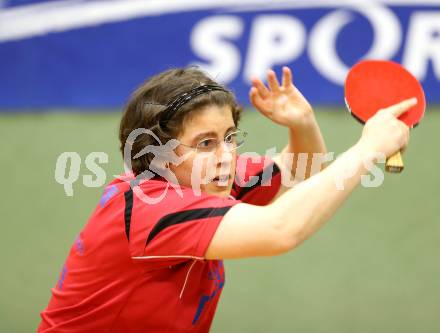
147	105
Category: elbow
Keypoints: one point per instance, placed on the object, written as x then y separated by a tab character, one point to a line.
283	245
287	238
288	242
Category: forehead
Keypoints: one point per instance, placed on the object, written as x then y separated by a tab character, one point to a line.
212	118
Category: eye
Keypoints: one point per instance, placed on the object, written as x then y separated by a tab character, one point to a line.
231	137
207	144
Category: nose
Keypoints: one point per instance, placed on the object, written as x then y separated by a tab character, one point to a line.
225	148
224	153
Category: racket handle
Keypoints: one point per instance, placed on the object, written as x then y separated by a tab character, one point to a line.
394	163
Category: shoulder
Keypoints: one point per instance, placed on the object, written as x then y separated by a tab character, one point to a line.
257	179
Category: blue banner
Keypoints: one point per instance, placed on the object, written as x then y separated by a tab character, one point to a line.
93	54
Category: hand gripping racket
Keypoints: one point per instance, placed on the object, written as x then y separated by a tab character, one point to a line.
372	85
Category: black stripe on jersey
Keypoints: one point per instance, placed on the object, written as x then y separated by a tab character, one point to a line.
185	216
246	189
127	212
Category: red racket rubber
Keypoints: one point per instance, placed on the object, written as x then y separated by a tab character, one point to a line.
372	85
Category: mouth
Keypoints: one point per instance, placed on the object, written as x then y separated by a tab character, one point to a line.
222	180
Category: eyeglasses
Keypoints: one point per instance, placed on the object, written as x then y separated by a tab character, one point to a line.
233	141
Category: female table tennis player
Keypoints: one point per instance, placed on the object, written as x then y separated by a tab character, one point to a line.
150	257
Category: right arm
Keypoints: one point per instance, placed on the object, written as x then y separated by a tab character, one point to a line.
249	231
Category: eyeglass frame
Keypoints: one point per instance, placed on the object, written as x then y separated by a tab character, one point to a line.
198	150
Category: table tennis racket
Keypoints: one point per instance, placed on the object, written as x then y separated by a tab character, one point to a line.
372	85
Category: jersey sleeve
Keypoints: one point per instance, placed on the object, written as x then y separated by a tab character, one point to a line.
257	180
175	229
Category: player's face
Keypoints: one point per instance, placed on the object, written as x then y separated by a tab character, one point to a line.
210	170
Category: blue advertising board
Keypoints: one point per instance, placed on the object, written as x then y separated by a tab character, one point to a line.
92	54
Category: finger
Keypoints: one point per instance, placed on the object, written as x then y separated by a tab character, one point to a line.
404	126
405	144
405	134
257	101
274	85
261	88
254	96
287	77
400	108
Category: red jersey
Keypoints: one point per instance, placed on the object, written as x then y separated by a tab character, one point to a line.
140	267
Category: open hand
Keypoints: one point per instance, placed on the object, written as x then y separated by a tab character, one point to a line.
283	104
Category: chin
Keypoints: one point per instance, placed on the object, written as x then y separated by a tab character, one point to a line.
218	191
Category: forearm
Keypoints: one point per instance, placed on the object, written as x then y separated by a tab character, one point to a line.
305	141
302	210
